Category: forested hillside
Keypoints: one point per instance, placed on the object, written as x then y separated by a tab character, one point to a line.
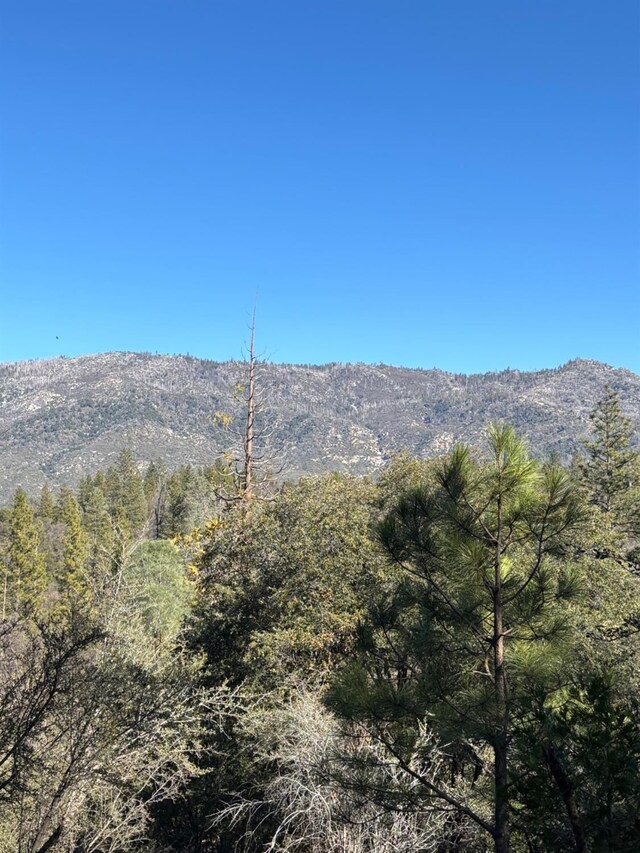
62	418
445	658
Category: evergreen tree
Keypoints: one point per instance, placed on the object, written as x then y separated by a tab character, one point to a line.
85	487
591	743
48	530
158	589
475	620
73	575
64	493
611	467
180	511
189	500
46	508
585	739
125	493
155	490
154	476
283	588
26	578
100	482
100	533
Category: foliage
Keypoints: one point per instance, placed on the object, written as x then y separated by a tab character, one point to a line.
73	577
319	793
478	617
125	494
157	588
446	659
611	467
96	727
283	588
25	580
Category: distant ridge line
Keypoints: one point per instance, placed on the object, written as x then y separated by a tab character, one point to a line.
143	353
61	418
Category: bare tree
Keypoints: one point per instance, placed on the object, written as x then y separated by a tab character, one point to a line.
338	791
255	464
96	726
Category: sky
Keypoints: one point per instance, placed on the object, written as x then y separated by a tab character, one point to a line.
429	184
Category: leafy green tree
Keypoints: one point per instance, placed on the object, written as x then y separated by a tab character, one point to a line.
85	487
184	499
476	619
98	726
100	482
46	516
158	587
181	513
153	477
26	578
283	588
585	738
588	741
610	623
64	493
402	474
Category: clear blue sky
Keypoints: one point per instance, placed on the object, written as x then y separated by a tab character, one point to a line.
451	184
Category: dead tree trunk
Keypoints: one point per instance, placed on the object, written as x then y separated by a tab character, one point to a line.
247	479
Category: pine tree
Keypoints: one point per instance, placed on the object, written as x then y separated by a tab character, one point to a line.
155	490
48	529
100	533
46	505
611	467
26	578
100	482
154	476
73	575
476	617
64	493
85	487
253	465
125	493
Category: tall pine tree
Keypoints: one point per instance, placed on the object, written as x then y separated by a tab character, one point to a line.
26	578
125	493
100	533
610	469
475	619
73	575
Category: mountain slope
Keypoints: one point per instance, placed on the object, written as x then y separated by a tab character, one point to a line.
62	418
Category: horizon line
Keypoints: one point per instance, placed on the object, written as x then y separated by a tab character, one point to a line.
508	369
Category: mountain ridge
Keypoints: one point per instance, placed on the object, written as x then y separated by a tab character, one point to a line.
578	360
61	417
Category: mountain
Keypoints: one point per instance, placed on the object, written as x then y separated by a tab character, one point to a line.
64	417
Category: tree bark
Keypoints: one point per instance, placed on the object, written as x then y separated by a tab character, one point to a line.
501	811
247	491
567	793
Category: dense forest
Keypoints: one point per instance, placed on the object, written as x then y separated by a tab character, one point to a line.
445	658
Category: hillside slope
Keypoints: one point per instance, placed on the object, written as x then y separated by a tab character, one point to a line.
61	418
